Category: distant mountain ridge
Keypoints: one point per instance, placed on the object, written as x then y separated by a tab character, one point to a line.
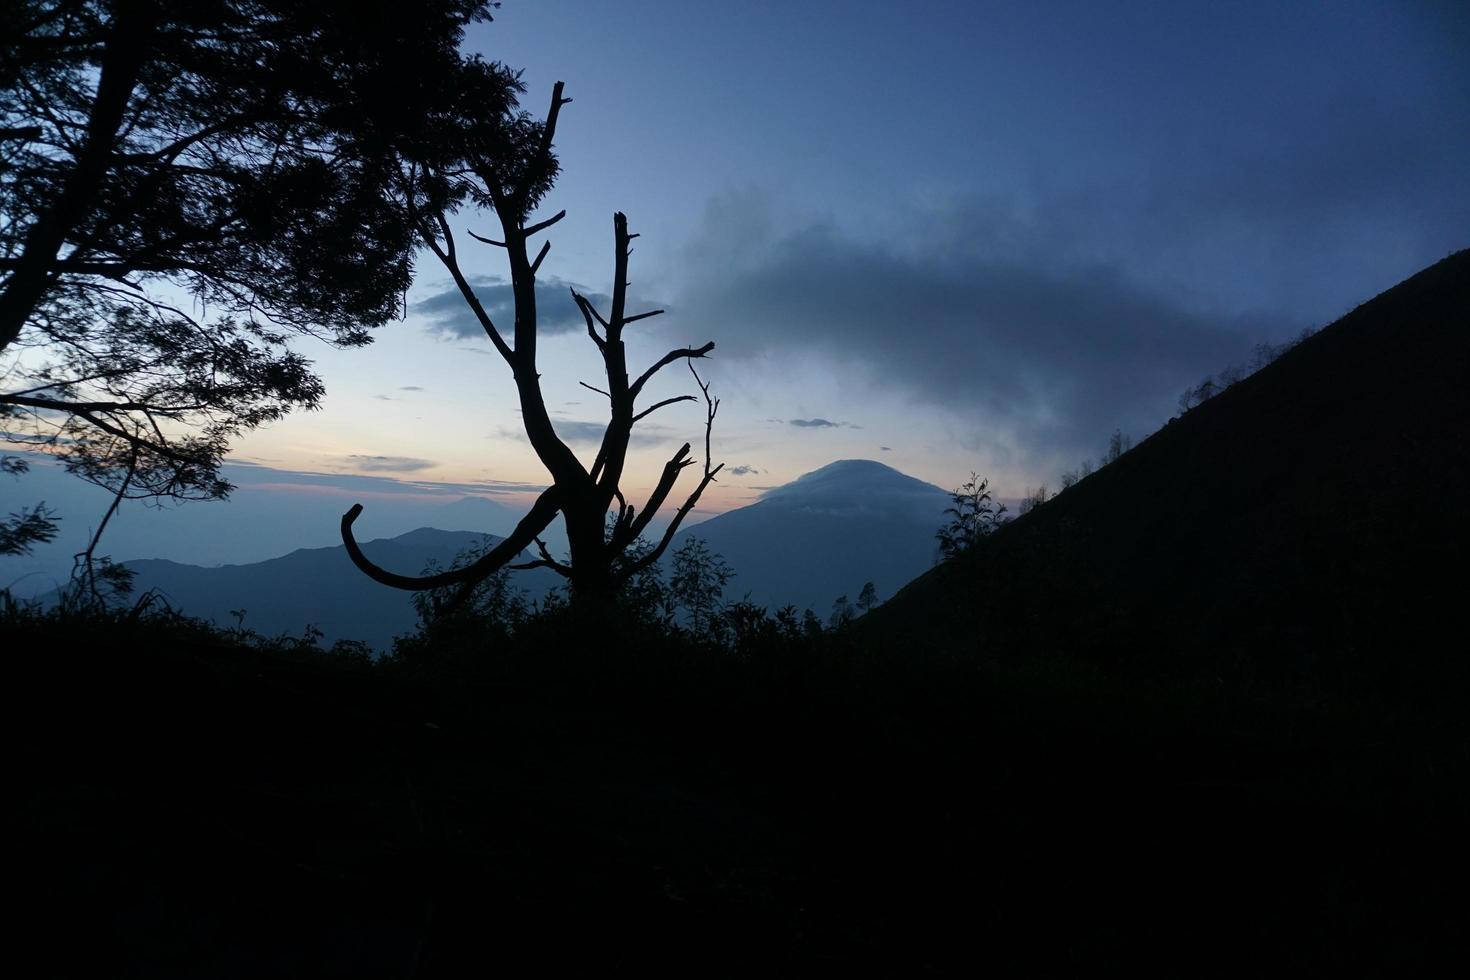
823	535
317	587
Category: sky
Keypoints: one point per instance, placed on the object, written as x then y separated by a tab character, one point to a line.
948	236
951	237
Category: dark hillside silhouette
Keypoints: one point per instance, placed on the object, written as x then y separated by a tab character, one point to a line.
1214	739
1307	526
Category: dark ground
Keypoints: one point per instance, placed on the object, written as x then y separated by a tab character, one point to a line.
192	809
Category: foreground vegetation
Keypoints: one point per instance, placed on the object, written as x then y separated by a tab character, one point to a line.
202	803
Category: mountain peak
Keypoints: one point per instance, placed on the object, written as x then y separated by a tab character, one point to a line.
850	479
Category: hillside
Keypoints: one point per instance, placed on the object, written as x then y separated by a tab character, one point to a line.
828	532
1306	527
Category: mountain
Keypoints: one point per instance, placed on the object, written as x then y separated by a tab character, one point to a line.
319	587
1307	527
828	532
269	513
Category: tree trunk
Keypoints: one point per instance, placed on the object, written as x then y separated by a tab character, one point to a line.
122	61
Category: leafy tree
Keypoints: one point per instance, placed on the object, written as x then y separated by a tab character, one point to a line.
788	622
646	596
811	623
26	528
867	598
494	602
972	516
749	626
697	581
1118	444
1073	477
507	165
842	612
186	187
1034	498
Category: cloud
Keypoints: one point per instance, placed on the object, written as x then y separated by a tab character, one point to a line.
410	388
556	312
382	398
742	470
479	486
886	449
990	319
248	473
389	464
579	432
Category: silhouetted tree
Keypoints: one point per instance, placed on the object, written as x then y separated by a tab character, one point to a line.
495	601
867	598
1118	444
972	516
1034	499
24	529
811	623
1214	384
788	622
842	612
233	152
697	580
509	167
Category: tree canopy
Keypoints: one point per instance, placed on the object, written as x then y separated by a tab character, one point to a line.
186	186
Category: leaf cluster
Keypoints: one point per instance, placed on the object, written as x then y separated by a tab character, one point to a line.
187	187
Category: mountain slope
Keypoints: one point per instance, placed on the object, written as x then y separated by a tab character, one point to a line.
1306	526
826	533
314	586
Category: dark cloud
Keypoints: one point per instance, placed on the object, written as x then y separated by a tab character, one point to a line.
410	388
389	464
555	310
383	398
1034	352
742	470
886	449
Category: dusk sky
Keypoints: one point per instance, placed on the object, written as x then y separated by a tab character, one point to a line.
947	236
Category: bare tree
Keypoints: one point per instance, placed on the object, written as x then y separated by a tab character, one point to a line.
511	180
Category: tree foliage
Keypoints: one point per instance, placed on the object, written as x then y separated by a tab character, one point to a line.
22	530
186	187
697	580
971	515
